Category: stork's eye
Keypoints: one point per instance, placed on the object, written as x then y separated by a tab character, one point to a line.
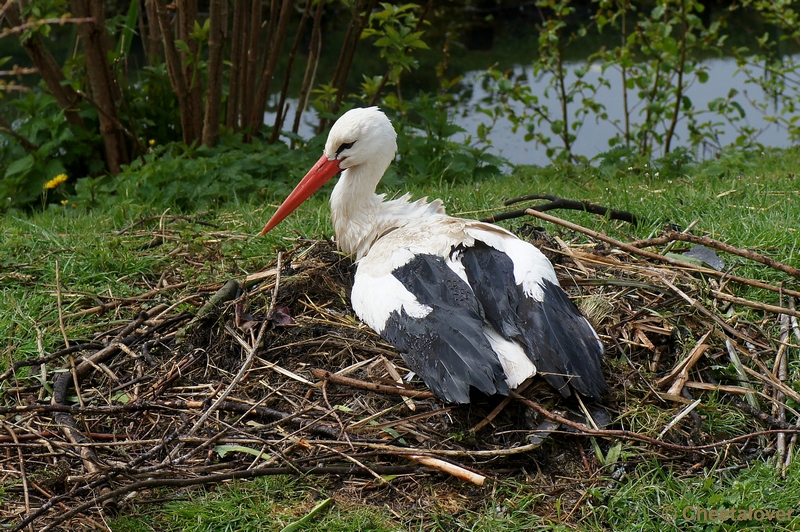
345	146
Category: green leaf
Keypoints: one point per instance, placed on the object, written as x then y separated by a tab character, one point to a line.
306	519
128	30
684	258
20	166
182	46
223	450
122	398
612	456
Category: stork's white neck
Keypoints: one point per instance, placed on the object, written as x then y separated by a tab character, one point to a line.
360	216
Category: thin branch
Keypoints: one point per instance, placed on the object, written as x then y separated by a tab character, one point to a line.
670	236
370	386
38	23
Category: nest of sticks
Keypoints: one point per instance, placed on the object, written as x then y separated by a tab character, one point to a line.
273	375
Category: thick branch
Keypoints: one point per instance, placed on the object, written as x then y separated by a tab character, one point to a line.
561	203
6	128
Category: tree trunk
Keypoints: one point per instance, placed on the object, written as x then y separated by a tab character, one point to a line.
251	71
337	72
314	49
361	14
175	71
363	20
280	115
187	16
238	46
104	89
153	45
274	50
218	24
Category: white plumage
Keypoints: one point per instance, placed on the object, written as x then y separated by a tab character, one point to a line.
467	304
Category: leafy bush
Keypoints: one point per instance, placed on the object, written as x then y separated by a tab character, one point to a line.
55	147
427	147
187	179
174	176
657	57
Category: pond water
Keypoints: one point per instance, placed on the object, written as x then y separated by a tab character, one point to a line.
592	138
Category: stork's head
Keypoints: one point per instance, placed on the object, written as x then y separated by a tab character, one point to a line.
362	138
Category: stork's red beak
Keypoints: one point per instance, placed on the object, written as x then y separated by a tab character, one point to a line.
320	173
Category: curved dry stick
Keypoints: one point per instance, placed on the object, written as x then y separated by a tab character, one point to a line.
277	416
670	236
118	302
49	358
775	309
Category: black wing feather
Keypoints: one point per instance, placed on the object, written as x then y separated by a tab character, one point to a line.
447	348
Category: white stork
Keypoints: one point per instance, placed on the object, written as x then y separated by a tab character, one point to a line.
467	304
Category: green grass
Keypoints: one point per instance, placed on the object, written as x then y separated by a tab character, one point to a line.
747	200
650	497
264	504
654	497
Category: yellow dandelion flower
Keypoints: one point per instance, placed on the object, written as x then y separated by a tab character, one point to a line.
64	201
57	180
152	142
